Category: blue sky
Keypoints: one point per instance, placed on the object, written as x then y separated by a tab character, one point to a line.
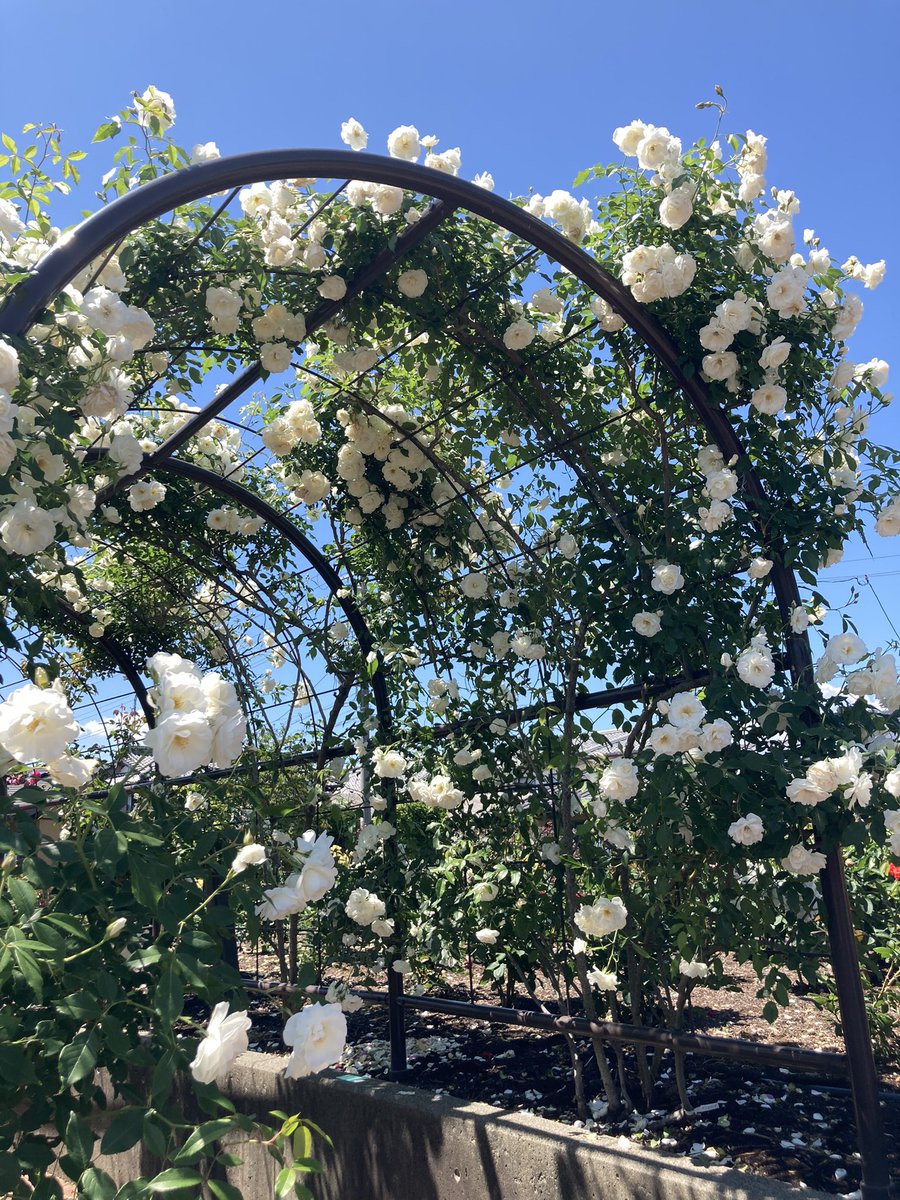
531	92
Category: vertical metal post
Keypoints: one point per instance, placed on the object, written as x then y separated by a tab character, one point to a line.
876	1183
396	1025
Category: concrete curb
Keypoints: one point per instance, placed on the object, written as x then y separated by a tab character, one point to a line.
393	1142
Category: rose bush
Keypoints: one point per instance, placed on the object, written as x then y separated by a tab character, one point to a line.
524	506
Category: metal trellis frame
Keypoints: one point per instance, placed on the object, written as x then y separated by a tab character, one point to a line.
111	225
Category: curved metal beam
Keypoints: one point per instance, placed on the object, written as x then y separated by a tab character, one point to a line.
329	576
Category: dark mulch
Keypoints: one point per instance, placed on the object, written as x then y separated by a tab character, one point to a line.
767	1121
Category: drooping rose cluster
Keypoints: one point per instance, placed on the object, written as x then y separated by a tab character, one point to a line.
199	720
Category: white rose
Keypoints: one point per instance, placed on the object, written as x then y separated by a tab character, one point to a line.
412	283
775	355
157	105
353	134
9	366
36	723
677	208
404	143
72	772
180	743
26	529
317	1035
252	855
804	791
620	780
647	624
747	831
225	1038
845	648
487	937
800	861
769	399
693	969
603	981
334	287
519	334
603	917
667	578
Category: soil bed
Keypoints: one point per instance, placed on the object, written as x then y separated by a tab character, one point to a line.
768	1121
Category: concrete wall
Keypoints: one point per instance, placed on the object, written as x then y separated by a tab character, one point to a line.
395	1143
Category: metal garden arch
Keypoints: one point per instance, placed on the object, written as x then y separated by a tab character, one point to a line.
101	234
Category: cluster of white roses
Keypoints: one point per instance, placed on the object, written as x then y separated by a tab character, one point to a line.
403	464
296	425
657	272
720	485
603	917
437	791
37	726
317	1036
877	679
199	720
316	876
685	731
829	775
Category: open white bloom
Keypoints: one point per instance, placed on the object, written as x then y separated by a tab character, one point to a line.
693	969
800	861
155	104
404	143
846	648
388	764
686	711
180	743
519	334
647	624
677	208
769	399
72	772
715	736
775	354
333	287
747	831
484	892
620	780
317	1035
759	568
364	906
252	855
204	152
412	283
146	494
225	1038
804	791
603	981
26	529
9	366
755	665
353	134
487	937
667	578
603	917
36	724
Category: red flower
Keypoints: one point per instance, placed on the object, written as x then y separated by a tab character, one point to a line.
893	871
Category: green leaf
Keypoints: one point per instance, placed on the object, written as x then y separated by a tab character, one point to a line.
107	130
134	1189
125	1131
284	1183
95	1184
169	997
78	1059
174	1179
79	1139
223	1191
202	1137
